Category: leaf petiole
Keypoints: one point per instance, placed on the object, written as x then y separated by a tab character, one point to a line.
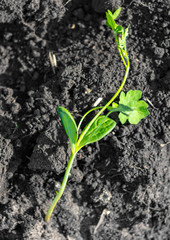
93	109
102	110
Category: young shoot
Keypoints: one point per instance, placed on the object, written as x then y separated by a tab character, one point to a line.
130	108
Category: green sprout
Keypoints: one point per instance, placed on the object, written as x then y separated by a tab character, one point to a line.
130	108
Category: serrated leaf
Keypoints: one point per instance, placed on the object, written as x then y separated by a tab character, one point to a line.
69	125
131	108
116	13
99	129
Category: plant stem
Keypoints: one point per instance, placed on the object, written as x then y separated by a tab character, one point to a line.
117	42
102	110
127	66
93	109
63	185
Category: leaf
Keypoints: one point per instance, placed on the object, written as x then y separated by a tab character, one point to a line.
69	125
110	21
131	108
126	32
99	129
116	13
111	17
114	105
119	29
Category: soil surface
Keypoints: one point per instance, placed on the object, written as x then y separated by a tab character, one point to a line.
119	187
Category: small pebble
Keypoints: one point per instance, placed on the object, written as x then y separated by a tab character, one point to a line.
37	112
168	103
43	43
159	52
36	54
7	36
15	108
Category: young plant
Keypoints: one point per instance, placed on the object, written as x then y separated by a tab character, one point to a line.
130	108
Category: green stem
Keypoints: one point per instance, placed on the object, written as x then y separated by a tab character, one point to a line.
102	110
78	128
117	42
127	66
63	185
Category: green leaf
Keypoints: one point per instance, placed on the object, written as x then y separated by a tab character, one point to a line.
116	13
69	125
111	17
119	29
110	21
131	108
99	129
114	105
126	32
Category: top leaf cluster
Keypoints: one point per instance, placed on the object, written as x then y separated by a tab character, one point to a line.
117	29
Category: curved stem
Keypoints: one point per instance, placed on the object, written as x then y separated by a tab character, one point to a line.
63	185
127	66
86	115
102	110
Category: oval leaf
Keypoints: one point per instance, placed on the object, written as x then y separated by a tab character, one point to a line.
99	129
110	22
69	125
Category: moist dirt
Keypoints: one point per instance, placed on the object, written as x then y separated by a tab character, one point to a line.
119	187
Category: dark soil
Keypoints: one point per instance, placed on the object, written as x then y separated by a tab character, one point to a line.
118	188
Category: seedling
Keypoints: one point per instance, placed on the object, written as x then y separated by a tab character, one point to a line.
130	108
